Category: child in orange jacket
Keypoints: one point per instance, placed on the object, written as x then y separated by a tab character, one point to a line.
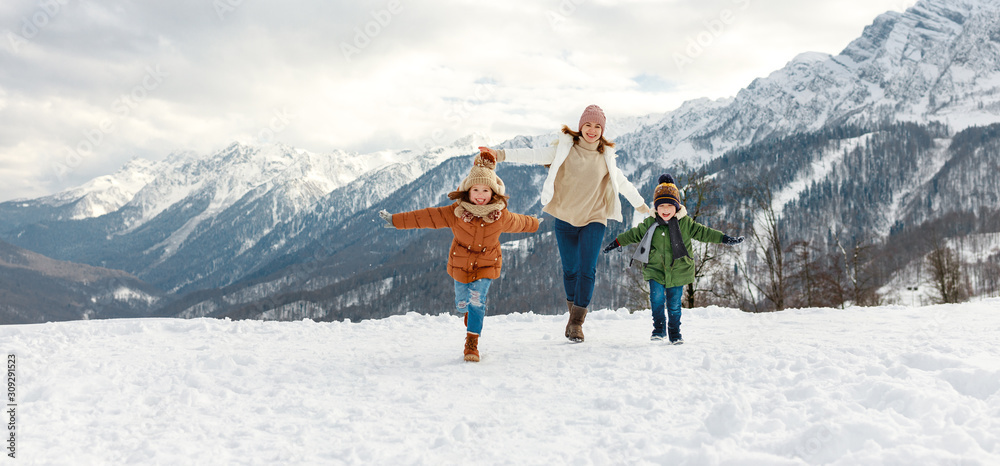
476	219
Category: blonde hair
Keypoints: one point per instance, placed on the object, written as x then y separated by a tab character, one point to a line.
601	143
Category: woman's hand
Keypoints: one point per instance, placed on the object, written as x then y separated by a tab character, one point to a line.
487	150
643	209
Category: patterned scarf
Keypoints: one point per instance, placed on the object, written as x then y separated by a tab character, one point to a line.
489	212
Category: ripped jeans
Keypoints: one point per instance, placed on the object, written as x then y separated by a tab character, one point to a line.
471	298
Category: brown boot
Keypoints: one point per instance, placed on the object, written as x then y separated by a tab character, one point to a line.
575	328
471	347
569	308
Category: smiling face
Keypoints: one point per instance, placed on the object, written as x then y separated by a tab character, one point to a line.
591	132
666	211
480	194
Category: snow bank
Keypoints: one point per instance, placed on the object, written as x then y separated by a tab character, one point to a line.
888	385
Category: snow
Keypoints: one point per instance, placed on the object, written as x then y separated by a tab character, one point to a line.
127	294
811	57
107	193
886	385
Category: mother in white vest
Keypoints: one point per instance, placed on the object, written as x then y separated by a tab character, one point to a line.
581	191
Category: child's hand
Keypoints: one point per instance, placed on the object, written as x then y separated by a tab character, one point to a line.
387	217
726	239
612	246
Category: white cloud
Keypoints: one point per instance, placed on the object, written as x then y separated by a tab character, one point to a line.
165	76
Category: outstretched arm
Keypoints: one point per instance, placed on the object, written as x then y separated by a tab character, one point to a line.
519	223
540	156
432	217
703	233
635	234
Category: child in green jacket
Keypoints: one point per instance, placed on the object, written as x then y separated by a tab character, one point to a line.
665	248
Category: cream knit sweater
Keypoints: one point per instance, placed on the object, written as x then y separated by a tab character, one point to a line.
607	181
583	193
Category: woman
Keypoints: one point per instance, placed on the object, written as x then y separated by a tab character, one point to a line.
581	191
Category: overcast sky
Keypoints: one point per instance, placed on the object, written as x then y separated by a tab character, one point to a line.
86	85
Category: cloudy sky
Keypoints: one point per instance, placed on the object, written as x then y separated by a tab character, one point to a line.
86	85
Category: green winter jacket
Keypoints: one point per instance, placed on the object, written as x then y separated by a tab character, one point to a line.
659	267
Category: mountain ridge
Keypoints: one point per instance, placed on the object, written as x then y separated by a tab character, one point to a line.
298	231
35	288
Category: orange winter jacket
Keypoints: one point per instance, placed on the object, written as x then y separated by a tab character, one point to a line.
475	249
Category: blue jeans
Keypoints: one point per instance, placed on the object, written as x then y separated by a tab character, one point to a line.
659	296
578	249
471	298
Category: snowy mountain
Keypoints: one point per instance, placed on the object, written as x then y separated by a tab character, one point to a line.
832	135
104	194
355	269
876	141
892	385
937	62
206	221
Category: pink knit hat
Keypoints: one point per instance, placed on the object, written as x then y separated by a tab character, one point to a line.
592	114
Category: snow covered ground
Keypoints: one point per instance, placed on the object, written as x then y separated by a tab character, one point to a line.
887	385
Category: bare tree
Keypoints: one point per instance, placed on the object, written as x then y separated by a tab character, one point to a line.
635	289
857	272
696	192
945	267
768	278
989	277
806	275
723	281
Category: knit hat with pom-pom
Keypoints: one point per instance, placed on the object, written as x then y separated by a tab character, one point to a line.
482	173
666	192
